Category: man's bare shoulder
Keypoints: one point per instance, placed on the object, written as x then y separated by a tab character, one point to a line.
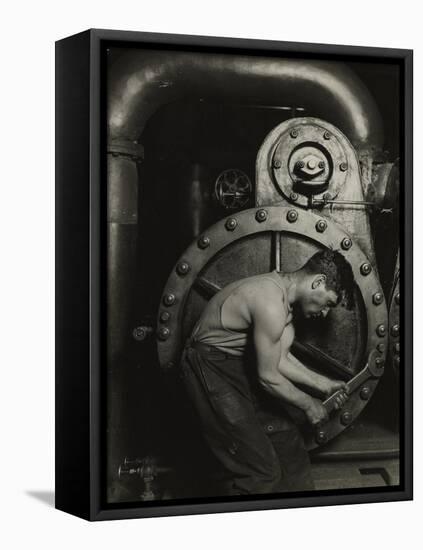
264	295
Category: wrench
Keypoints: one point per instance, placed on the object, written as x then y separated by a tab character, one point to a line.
371	370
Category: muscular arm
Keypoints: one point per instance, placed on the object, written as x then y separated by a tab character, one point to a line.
298	373
269	318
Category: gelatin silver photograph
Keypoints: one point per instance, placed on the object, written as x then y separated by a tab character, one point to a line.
253	274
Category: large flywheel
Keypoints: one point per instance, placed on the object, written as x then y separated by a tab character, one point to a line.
348	345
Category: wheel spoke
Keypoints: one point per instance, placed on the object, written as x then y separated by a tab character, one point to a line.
277	250
206	287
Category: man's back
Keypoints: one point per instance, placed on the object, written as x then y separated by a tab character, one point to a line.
226	321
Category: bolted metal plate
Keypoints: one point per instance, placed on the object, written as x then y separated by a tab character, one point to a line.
251	240
309	160
394	326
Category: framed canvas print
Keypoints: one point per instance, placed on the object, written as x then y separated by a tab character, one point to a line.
234	274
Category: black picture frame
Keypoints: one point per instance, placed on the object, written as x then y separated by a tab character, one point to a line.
80	274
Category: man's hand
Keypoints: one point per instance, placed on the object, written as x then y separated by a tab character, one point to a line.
315	411
329	387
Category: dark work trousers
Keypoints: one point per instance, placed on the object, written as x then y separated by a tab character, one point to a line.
257	443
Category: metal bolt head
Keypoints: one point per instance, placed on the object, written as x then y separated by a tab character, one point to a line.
321	437
183	268
321	164
164	316
343	166
397	299
294	133
377	298
277	163
169	299
203	242
292	216
321	226
293	196
299	164
365	268
230	224
381	330
365	393
396	348
261	215
139	333
380	347
326	135
346	243
346	418
395	330
379	362
163	333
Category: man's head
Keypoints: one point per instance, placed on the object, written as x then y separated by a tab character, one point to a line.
327	279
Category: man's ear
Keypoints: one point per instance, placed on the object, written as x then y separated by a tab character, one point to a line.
318	280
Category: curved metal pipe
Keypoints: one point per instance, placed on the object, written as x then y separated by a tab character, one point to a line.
141	81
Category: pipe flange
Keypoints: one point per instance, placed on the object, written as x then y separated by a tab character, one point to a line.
310	164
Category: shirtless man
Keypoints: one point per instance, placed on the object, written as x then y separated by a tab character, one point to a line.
240	402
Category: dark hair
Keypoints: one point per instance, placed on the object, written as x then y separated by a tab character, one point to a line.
339	275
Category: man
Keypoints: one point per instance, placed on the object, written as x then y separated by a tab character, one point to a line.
240	402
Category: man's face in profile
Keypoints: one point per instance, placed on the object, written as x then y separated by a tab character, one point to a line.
317	300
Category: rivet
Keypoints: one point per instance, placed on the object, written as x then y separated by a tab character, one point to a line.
397	299
299	164
183	268
203	242
379	362
292	216
397	347
380	347
261	215
163	333
169	299
139	333
365	393
343	166
293	197
294	133
326	135
164	316
321	226
395	330
365	268
377	298
346	243
277	164
321	164
270	428
381	330
346	418
230	224
321	437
